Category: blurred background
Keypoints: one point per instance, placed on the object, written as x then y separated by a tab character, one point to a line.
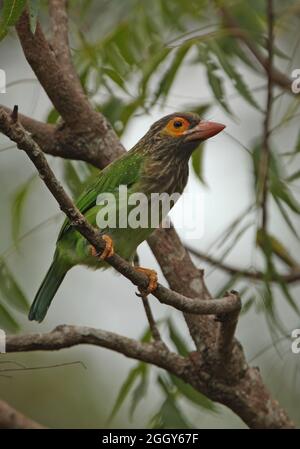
140	60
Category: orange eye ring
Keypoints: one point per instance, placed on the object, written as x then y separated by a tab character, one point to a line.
177	126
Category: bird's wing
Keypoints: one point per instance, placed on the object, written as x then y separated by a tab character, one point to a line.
123	171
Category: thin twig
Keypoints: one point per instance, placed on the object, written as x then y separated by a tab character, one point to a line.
255	275
266	150
152	323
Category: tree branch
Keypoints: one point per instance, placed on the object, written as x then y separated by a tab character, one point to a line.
288	278
66	336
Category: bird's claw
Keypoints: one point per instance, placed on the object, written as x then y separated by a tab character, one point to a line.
108	250
152	276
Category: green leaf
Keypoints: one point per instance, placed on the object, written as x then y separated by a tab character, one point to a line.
177	340
34	6
267	305
286	218
289	297
230	70
281	191
17	207
193	395
115	77
139	371
11	11
197	163
7	321
169	416
124	390
168	78
150	67
294	176
215	82
10	289
247	305
53	117
76	175
140	390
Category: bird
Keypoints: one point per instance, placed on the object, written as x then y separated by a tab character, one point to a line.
158	163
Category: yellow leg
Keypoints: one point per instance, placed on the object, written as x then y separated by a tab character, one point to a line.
108	250
152	276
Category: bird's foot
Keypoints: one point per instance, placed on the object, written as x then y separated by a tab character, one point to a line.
152	276
108	250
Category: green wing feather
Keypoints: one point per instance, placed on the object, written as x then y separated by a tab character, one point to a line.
123	171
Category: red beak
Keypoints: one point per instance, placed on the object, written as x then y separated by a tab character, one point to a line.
204	130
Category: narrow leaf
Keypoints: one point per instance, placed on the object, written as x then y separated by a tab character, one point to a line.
193	395
7	321
169	76
17	207
178	340
11	290
124	390
197	163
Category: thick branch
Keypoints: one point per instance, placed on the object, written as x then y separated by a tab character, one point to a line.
11	418
85	130
66	336
67	98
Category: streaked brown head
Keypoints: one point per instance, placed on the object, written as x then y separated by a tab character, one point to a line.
180	133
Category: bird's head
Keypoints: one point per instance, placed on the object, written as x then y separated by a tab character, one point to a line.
181	133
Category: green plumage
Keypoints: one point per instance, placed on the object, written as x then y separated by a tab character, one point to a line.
158	163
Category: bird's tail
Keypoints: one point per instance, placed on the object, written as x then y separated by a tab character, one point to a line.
48	288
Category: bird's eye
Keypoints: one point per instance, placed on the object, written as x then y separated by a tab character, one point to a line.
177	124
